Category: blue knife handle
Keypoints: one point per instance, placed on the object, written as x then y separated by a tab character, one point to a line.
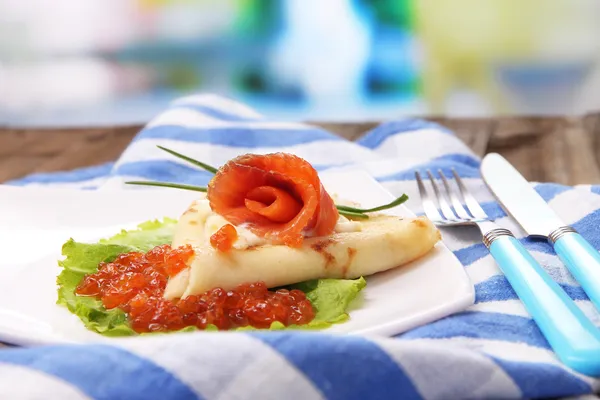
572	336
583	261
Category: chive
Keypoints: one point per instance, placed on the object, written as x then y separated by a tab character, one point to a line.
394	203
190	160
351	214
167	184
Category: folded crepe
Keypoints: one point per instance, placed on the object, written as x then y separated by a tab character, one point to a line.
354	249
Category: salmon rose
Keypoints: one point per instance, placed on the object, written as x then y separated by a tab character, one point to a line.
276	196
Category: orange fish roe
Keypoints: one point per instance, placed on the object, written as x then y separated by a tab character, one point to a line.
135	282
224	238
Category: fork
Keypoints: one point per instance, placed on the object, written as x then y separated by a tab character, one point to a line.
572	336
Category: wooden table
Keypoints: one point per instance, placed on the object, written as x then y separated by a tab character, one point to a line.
544	149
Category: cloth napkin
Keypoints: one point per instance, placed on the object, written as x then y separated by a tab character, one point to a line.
493	349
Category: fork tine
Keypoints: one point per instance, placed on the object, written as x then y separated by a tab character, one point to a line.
428	205
444	206
472	205
459	210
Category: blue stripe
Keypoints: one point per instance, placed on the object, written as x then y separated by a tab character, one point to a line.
172	171
540	245
482	325
445	163
540	380
76	175
102	372
548	191
493	210
375	137
218	114
165	171
468	255
497	288
595	189
346	367
238	137
459	158
588	228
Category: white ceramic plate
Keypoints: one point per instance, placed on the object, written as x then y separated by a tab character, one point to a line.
35	222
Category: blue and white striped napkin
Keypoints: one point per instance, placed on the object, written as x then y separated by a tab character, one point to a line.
493	349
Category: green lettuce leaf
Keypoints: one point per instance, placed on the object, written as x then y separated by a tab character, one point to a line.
148	235
83	258
329	297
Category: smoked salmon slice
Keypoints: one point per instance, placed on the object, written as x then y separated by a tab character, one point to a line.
277	196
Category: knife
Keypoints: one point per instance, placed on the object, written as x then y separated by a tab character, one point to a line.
536	217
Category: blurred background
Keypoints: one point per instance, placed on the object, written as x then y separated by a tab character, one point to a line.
87	62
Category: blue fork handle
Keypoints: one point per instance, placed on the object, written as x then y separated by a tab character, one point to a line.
583	262
572	336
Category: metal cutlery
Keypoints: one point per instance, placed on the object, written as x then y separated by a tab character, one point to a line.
528	208
572	336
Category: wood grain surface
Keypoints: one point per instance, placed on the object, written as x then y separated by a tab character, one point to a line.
545	149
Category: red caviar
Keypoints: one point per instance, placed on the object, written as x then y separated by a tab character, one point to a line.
224	238
135	282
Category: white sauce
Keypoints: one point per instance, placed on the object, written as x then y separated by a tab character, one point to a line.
346	225
214	222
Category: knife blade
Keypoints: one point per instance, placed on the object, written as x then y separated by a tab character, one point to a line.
518	197
526	206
